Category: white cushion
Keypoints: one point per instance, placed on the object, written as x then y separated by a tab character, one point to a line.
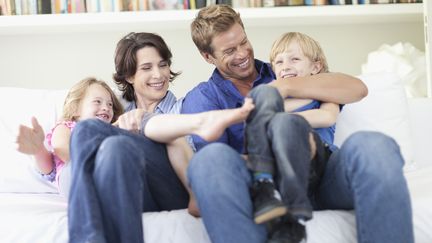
17	172
385	109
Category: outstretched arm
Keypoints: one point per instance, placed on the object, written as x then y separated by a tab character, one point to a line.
30	140
327	87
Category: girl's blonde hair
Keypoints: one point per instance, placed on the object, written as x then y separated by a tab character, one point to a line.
76	94
310	47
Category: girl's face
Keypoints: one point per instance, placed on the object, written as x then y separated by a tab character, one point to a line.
97	103
151	79
293	62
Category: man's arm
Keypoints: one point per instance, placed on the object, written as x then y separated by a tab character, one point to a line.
336	88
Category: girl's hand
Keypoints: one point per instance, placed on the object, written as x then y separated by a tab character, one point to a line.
30	140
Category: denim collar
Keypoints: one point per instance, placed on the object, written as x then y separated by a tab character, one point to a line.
164	106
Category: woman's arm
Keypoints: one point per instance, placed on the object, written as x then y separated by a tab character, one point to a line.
325	116
327	87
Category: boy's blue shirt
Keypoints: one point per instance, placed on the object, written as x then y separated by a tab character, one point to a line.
218	93
326	133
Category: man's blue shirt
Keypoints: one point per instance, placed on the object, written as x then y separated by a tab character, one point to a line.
218	93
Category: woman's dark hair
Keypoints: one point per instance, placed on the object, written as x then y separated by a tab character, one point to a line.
126	61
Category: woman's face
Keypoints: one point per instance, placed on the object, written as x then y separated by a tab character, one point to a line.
151	79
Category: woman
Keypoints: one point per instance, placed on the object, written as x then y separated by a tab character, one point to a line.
119	174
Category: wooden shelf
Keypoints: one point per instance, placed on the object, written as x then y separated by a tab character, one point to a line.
180	19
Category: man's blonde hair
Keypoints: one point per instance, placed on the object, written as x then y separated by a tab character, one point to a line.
77	93
211	21
310	47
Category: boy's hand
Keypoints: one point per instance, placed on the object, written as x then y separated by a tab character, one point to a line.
30	140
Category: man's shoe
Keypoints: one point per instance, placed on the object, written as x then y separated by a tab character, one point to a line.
288	232
266	201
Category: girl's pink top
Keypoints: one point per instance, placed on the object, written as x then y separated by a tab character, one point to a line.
55	174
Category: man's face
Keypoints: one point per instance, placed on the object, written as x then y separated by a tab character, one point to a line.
233	55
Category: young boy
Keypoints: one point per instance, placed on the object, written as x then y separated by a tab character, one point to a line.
293	54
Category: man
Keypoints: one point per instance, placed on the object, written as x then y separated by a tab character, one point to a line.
362	175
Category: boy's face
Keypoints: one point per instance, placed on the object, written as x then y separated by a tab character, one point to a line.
97	103
293	62
233	55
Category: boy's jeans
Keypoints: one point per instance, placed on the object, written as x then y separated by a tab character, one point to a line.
364	175
278	143
117	175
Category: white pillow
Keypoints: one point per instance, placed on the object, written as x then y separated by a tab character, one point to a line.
385	109
17	172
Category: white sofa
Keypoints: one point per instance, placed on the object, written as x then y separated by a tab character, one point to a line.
32	211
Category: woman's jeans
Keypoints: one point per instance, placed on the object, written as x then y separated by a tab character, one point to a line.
365	174
116	176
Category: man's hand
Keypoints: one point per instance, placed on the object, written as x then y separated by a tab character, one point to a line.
131	120
30	140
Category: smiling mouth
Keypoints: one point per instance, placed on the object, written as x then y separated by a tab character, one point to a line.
243	64
156	85
104	117
289	75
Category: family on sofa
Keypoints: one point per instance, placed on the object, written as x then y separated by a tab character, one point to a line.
291	168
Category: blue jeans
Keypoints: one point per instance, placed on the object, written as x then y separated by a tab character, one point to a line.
365	174
278	143
116	176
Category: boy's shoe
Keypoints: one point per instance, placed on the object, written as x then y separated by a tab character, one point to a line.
287	232
266	201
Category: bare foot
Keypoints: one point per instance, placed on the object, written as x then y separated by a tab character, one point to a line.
193	208
214	123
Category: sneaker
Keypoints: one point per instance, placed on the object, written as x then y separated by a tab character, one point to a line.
266	201
287	232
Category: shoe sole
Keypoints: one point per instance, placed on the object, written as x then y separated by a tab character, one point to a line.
271	214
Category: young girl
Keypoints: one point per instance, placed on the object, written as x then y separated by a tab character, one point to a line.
91	98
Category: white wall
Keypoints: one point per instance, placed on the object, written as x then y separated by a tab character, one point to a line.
59	60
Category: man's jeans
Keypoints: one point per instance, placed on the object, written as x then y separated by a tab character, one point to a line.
365	174
117	175
278	143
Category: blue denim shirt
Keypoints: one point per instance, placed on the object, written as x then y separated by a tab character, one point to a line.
327	133
169	104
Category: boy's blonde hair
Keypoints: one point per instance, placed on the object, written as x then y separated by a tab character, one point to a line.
76	94
211	21
310	47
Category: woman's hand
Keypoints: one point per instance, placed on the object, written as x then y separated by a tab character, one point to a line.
131	120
